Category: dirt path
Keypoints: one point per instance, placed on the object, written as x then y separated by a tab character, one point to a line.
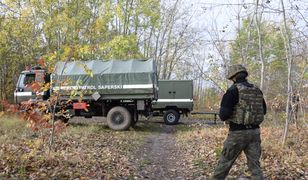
159	157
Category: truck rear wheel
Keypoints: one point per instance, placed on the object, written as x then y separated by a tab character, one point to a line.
171	117
119	118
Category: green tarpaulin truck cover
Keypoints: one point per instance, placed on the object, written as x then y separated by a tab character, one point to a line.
116	79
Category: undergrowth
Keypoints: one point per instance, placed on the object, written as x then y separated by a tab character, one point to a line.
81	151
278	161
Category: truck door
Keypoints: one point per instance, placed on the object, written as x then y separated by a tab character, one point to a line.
165	90
23	90
182	90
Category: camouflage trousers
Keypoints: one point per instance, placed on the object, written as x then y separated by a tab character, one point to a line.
248	141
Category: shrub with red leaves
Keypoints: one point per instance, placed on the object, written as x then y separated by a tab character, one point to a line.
36	114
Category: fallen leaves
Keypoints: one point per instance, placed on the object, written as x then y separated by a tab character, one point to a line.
202	147
86	151
82	151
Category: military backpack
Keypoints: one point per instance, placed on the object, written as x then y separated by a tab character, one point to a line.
249	110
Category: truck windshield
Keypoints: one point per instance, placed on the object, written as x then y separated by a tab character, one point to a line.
26	79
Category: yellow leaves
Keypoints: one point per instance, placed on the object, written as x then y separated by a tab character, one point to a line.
37	143
80	99
26	12
11	4
52	55
46	87
73	52
1	114
86	69
47	117
73	93
121	47
118	11
101	24
84	49
67	51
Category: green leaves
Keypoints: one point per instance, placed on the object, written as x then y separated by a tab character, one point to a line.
245	50
58	30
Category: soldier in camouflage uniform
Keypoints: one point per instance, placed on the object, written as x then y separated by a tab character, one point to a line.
243	107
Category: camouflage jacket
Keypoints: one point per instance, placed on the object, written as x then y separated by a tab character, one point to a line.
229	102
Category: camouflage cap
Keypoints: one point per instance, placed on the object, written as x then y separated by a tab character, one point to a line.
234	69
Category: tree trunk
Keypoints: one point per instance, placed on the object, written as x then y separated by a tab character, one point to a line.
260	43
289	60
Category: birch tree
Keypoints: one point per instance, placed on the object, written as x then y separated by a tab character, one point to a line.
289	57
258	17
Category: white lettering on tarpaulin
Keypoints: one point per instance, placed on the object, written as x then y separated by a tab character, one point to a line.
75	88
125	86
110	87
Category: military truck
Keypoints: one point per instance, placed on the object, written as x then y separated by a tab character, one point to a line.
118	90
175	97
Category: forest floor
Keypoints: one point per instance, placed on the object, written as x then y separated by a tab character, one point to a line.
87	149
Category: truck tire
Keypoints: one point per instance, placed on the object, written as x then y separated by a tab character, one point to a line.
119	118
171	117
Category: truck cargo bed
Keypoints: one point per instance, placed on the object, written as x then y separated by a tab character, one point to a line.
131	79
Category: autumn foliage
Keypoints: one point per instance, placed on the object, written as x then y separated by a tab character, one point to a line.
36	114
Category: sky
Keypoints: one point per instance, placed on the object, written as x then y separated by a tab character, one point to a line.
223	14
219	19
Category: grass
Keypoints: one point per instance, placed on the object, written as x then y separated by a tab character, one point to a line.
84	129
202	116
11	128
145	162
11	123
182	128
